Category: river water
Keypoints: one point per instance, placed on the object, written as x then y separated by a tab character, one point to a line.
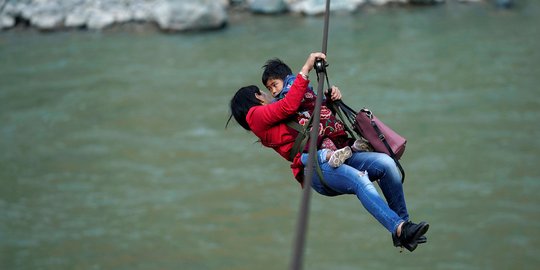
114	153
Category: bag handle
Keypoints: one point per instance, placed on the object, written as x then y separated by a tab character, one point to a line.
342	109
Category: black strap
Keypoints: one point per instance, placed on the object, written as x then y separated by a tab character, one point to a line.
300	144
301	139
389	148
345	116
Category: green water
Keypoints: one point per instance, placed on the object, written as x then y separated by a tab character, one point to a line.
113	152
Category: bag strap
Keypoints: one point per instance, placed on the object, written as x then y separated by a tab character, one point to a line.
386	144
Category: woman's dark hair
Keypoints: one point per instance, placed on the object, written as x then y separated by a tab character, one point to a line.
275	69
241	102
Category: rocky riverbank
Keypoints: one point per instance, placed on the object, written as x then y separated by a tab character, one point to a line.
168	15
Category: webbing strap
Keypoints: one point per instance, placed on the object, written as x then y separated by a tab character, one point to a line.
389	148
302	138
345	120
300	144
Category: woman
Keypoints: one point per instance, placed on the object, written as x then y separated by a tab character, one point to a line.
254	111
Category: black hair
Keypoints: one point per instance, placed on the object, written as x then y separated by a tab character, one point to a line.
241	102
275	69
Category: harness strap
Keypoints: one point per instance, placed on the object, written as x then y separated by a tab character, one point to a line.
300	144
301	139
333	105
392	154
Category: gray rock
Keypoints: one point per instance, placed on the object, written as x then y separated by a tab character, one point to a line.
6	21
99	19
268	6
141	11
181	16
315	7
97	14
170	15
76	18
386	2
47	21
46	15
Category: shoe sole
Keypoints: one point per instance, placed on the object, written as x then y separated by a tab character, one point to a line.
341	155
360	146
421	240
414	242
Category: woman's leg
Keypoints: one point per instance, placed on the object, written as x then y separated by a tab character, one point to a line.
348	180
354	180
383	168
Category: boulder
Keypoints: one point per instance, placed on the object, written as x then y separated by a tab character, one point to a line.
47	21
99	19
267	6
181	16
316	7
46	15
6	21
170	15
173	15
386	2
76	18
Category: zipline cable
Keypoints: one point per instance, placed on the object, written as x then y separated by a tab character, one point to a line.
301	228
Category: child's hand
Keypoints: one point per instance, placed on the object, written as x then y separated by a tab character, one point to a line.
335	94
310	61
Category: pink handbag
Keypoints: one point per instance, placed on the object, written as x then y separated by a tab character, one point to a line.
380	136
364	124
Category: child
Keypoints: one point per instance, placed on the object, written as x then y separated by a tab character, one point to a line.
277	78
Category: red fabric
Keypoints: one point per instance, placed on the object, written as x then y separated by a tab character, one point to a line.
267	123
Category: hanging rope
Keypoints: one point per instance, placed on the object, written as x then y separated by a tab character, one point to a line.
301	228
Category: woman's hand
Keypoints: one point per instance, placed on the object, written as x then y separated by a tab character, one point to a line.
310	61
335	94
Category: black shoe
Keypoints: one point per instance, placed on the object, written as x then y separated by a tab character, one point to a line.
411	233
397	243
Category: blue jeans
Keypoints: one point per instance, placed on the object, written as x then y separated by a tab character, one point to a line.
356	176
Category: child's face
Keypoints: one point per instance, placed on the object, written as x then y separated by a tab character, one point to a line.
274	86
